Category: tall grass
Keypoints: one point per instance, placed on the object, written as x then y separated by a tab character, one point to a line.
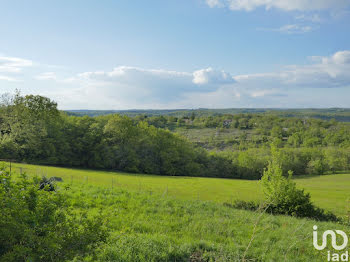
152	228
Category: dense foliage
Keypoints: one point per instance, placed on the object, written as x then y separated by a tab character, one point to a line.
34	131
37	223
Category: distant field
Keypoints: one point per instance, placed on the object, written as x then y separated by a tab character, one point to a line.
330	192
206	134
213	138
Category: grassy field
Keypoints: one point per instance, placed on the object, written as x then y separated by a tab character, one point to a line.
330	192
214	137
207	134
154	228
166	219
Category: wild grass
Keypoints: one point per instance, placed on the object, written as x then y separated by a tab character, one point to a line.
155	225
147	227
330	192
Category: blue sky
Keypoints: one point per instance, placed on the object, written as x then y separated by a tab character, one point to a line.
178	53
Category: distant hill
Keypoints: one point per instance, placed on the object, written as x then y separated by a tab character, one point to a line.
339	114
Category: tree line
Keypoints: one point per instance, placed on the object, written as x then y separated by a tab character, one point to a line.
33	130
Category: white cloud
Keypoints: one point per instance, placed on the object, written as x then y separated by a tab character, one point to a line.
287	5
306	13
9	79
318	84
156	79
46	76
261	93
127	87
214	3
314	18
13	64
328	72
340	58
290	29
207	76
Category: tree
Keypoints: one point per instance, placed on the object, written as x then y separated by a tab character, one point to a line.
120	144
335	159
33	124
193	116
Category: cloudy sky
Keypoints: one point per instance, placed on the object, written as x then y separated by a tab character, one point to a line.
127	54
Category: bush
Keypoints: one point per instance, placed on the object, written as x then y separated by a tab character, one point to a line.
283	197
316	167
38	225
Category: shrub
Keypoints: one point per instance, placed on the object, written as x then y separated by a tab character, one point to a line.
316	167
283	197
38	225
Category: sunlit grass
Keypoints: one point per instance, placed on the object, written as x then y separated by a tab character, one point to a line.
330	192
155	218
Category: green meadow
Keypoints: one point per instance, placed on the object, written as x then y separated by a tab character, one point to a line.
156	218
150	228
330	192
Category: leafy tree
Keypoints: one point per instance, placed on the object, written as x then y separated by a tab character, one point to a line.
336	159
316	167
